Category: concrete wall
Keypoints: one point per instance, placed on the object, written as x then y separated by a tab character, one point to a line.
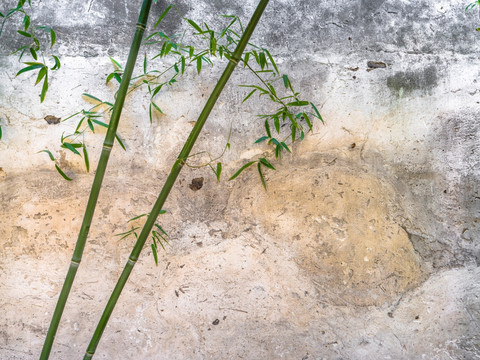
365	245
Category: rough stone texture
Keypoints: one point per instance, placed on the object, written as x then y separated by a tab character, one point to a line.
365	246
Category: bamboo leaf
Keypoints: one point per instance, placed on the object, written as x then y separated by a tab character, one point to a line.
30	68
213	44
44	89
307	120
157	89
92	97
127	233
292	119
22	49
272	90
195	25
62	173
317	112
241	169
266	163
90	125
150	113
275	141
85	157
264	91
246	58
199	64
267	128
470	6
161	229
263	60
115	63
57	63
157	108
41	74
33	53
109	77
117	77
0	133
298	103
276	122
157	237
53	38
183	64
34	63
70	147
120	142
101	123
294	133
168	47
271	60
79	124
219	170
136	217
286	81
278	150
49	154
154	252
250	94
263	138
259	166
24	33
285	147
165	12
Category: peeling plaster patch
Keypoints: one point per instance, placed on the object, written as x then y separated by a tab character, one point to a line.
354	252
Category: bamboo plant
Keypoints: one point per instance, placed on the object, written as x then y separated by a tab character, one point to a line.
97	182
179	163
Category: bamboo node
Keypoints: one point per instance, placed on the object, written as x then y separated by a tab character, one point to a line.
140	26
234	60
74	263
131	262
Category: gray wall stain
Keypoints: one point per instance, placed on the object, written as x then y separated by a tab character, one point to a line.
406	82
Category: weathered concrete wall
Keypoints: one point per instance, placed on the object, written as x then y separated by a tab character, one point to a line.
365	246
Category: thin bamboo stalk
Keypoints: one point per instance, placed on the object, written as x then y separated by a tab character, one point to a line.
97	182
181	159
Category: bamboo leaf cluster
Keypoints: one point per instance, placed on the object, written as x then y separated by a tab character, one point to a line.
471	6
159	236
33	46
199	44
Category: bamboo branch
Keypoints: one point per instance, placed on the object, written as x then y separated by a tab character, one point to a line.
181	159
97	182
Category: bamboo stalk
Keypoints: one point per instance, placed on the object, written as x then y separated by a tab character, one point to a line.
182	157
97	182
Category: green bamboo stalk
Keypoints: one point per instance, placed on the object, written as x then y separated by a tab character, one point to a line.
181	159
97	182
